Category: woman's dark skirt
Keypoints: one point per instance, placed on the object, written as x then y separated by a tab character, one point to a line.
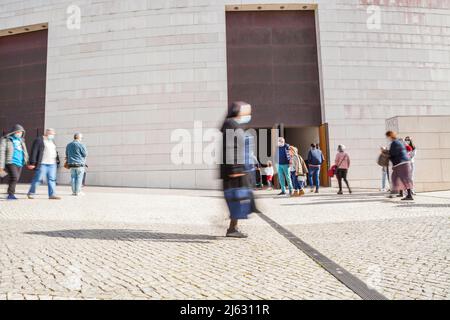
402	177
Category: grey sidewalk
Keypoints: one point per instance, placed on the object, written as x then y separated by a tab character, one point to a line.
169	244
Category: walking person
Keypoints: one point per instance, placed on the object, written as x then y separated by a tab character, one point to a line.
284	160
76	154
315	160
236	182
342	163
44	160
13	157
401	167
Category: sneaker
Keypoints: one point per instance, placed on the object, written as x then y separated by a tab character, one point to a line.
236	234
54	198
340	192
282	194
301	193
350	191
74	194
11	197
317	191
30	196
408	198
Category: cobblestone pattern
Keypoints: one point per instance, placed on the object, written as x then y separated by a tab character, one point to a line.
118	245
402	250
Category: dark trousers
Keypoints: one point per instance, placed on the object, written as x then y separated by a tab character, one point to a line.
14	173
341	174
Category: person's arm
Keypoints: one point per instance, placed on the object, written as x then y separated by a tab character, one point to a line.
3	153
34	153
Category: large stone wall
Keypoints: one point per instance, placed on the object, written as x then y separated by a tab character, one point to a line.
431	134
138	69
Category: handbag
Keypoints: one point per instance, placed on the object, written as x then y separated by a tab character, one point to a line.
383	159
239	201
332	171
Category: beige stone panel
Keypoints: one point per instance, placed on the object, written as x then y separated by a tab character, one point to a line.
428	170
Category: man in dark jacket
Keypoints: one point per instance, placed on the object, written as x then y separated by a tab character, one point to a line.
284	159
13	156
315	160
44	160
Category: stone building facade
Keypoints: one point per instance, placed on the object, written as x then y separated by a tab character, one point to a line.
128	73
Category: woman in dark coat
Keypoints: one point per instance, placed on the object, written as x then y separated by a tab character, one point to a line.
401	167
232	170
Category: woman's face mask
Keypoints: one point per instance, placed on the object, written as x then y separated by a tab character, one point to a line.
244	119
51	137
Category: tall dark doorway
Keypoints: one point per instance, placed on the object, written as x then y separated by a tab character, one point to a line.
23	69
273	64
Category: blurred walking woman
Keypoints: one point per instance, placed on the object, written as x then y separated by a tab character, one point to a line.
401	167
342	163
236	182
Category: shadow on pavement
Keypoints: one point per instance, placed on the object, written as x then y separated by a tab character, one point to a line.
125	235
425	205
344	201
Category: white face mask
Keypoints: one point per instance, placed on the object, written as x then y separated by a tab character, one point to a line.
51	137
244	119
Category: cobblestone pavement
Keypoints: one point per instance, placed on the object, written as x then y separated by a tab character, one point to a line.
400	249
169	244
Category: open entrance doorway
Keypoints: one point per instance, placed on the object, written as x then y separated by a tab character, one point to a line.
303	137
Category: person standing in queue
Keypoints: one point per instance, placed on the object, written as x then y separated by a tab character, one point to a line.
236	183
76	154
401	167
13	156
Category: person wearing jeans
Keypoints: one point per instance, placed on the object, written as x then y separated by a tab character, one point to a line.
44	160
284	159
76	154
315	160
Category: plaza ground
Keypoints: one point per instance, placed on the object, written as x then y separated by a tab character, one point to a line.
116	243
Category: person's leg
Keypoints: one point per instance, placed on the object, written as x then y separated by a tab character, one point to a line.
73	180
14	175
316	177
36	180
51	179
344	176
79	182
281	178
288	178
339	179
383	178
292	176
310	178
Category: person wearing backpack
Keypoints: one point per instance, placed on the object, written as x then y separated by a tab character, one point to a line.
315	160
284	160
342	163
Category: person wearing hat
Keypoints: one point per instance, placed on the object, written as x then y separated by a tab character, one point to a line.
13	156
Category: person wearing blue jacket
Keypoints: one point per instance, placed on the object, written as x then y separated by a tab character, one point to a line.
284	159
76	154
401	167
315	160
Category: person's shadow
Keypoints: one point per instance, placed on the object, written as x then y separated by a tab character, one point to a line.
126	235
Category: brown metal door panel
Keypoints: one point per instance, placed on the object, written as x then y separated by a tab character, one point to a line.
273	64
23	68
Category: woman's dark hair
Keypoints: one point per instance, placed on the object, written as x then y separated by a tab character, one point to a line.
234	108
410	142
